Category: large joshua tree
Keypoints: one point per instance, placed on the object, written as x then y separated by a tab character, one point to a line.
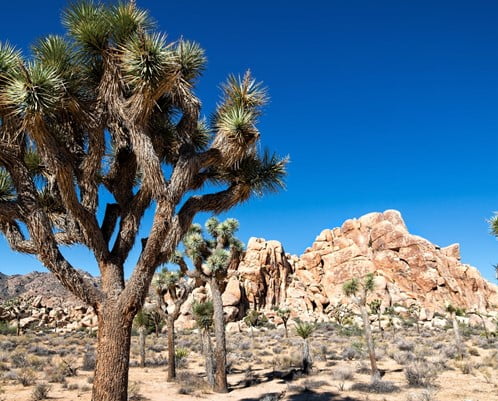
102	124
212	258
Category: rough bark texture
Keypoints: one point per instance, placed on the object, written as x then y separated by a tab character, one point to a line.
141	342
207	348
307	359
113	349
171	349
369	340
220	383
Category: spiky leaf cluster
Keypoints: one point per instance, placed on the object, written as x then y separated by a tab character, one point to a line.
304	329
203	314
213	252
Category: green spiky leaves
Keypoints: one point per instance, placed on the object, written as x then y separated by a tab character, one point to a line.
218	260
10	59
203	314
35	89
88	24
191	58
126	20
493	224
351	287
7	192
245	93
146	60
260	174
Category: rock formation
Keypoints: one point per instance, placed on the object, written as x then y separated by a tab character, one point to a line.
409	270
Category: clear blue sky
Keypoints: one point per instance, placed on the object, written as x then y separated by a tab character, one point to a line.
380	104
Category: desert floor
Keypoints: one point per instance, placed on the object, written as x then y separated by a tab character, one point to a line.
265	367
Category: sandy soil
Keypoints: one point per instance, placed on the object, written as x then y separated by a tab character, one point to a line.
254	363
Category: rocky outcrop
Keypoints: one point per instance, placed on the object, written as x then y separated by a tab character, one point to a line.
409	270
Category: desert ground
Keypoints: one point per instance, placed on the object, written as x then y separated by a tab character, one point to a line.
264	366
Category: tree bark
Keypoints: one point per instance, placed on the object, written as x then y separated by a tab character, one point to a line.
171	349
307	360
458	339
220	382
113	355
141	341
369	340
208	355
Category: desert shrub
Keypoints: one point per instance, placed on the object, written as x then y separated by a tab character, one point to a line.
134	392
466	367
404	345
403	358
40	392
343	374
425	395
18	360
474	351
350	331
26	377
362	368
89	360
350	353
40	351
376	386
181	357
6	329
191	383
421	374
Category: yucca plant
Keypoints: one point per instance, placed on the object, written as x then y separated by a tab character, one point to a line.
113	82
305	330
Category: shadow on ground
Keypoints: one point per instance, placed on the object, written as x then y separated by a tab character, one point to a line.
307	395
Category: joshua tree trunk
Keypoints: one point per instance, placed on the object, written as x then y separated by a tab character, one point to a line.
285	329
220	382
307	360
458	339
171	349
141	342
379	323
113	354
369	340
208	355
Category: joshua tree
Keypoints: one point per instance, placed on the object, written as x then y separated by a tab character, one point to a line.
414	311
203	315
483	322
253	319
141	322
172	284
390	312
284	314
453	312
101	125
212	259
358	292
375	309
305	330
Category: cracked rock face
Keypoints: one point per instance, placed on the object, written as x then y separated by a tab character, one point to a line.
408	270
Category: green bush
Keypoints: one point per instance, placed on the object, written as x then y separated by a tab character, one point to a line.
6	329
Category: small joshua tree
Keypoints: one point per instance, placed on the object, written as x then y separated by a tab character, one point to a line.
203	315
358	291
253	319
305	330
211	258
174	285
284	315
414	310
453	312
390	312
142	322
375	309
